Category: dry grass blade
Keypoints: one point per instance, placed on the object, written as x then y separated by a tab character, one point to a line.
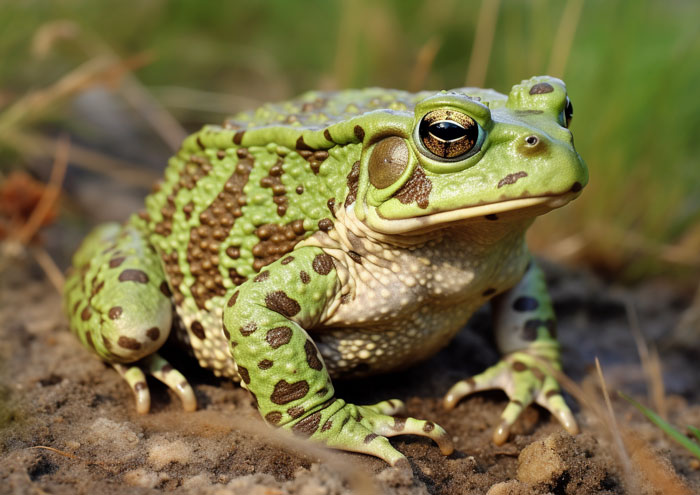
51	193
202	101
53	273
41	213
608	429
120	170
131	89
360	482
651	364
50	32
346	47
611	420
45	205
561	46
483	41
162	121
641	468
99	70
424	61
655	471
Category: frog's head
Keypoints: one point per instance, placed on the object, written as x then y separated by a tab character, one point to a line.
470	155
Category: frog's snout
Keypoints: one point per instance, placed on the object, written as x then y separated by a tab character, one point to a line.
547	158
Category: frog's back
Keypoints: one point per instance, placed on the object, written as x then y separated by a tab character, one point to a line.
320	109
226	209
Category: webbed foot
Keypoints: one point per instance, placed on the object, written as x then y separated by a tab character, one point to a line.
366	429
526	377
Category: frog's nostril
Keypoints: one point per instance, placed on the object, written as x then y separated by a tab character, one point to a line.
532	145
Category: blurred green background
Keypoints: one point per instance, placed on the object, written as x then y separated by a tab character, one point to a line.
632	68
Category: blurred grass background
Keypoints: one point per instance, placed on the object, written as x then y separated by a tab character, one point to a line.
632	68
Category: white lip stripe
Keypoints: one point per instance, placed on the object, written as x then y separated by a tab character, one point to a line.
425	222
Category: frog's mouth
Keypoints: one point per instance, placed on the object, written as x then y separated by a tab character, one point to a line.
509	209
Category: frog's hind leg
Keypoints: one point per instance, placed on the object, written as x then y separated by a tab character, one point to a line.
119	305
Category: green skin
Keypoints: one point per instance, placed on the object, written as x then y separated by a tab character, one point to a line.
320	238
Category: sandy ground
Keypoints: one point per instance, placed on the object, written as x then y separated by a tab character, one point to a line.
68	425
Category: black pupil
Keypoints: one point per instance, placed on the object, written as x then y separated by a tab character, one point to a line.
569	110
447	130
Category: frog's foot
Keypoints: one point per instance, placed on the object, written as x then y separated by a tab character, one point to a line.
389	407
158	367
526	377
365	429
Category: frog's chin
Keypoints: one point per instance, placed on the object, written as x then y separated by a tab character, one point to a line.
511	209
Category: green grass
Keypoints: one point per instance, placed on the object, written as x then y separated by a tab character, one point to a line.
667	427
633	73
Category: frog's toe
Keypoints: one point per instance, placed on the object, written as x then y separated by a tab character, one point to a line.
379	446
354	434
161	369
364	429
489	379
510	414
391	426
412	426
388	407
134	377
551	399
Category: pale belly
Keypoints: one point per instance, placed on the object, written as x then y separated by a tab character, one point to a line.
352	352
347	351
395	317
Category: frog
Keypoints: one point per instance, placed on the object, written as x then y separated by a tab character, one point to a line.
340	235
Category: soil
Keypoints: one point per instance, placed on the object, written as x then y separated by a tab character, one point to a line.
68	423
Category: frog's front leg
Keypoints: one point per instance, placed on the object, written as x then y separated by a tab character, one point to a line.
265	321
526	335
118	303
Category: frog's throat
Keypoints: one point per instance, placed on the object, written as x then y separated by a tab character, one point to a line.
492	212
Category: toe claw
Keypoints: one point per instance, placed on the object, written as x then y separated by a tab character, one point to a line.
158	367
449	401
459	390
444	444
567	420
143	398
187	397
501	434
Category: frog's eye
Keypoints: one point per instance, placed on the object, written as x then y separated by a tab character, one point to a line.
568	112
449	134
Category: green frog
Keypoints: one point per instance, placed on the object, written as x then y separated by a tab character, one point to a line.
341	234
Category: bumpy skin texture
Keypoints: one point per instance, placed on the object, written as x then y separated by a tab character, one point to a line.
341	234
